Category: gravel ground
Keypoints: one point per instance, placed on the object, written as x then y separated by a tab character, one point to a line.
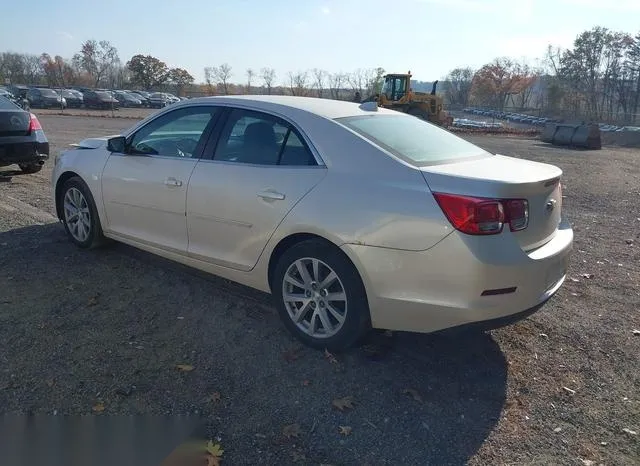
83	330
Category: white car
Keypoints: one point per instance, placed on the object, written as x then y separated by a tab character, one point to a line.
352	216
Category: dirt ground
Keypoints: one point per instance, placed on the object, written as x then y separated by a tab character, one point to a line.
106	329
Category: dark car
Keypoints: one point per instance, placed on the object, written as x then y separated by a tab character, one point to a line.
143	96
74	98
101	100
45	98
22	140
159	100
126	99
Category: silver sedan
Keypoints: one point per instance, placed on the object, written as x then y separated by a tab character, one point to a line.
352	216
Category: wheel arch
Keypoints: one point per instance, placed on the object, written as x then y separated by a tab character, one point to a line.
62	179
291	240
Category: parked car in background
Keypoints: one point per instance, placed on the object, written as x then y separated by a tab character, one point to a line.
140	96
102	100
352	216
74	98
159	100
22	140
45	98
127	100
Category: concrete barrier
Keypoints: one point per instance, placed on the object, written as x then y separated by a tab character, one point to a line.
621	138
564	134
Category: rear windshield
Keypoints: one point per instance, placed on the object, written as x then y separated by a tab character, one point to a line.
49	92
104	95
6	104
412	139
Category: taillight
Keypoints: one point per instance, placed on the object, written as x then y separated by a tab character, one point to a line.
482	216
34	124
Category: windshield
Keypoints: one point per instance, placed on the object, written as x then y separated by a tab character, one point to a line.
103	95
49	92
412	139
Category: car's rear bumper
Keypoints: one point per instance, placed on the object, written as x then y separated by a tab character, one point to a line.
32	151
462	280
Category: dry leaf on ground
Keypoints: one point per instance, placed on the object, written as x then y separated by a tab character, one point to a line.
98	407
292	430
343	403
306	383
330	357
345	430
184	367
214	397
93	300
214	453
412	393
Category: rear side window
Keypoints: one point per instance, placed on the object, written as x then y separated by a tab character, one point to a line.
258	138
413	140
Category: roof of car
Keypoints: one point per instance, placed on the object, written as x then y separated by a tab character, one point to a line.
327	108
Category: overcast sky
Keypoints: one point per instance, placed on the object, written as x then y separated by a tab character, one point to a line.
428	37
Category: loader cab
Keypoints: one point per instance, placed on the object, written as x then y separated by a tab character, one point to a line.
396	86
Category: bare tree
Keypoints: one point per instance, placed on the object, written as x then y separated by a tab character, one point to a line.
97	58
336	83
357	80
318	80
298	83
458	86
220	75
268	76
209	79
250	75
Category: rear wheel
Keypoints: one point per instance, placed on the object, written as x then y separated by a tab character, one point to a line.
320	296
79	214
30	167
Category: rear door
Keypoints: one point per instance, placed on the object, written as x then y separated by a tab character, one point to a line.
260	168
145	189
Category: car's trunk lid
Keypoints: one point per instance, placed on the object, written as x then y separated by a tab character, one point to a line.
501	177
14	122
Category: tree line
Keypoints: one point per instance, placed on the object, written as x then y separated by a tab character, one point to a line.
97	64
597	79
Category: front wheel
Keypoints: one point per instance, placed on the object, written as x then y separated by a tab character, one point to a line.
79	214
320	296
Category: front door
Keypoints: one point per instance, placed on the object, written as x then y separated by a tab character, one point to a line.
260	169
145	189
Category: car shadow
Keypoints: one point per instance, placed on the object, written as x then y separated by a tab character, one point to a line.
117	321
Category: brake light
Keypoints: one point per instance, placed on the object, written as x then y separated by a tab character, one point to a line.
482	216
34	124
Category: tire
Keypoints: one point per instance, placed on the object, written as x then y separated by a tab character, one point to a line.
94	238
316	301
30	168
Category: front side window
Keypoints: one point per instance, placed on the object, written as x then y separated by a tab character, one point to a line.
174	134
261	139
413	139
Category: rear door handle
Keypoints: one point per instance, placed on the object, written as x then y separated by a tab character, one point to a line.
171	181
273	195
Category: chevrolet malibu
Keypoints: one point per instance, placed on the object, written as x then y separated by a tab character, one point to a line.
352	216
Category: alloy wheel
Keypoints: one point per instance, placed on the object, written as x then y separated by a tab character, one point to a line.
314	297
77	215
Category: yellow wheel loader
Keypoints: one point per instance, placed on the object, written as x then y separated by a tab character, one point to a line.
397	95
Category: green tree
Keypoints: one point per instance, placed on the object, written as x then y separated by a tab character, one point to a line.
148	71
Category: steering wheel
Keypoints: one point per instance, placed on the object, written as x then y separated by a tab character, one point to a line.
186	147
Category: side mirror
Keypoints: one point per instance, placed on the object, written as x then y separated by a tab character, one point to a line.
116	144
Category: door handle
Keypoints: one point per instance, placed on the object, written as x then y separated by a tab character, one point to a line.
172	182
273	195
